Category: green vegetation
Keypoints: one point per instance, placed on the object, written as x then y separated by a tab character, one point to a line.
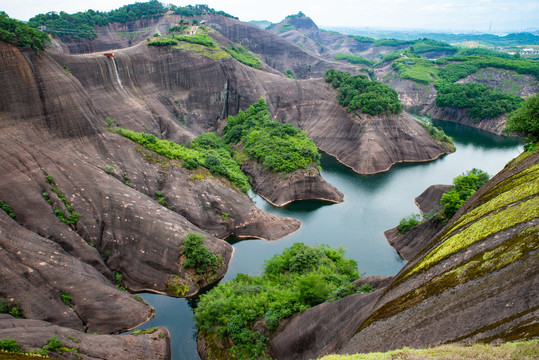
53	344
438	134
392	42
79	25
523	350
220	161
119	282
408	222
416	69
464	187
7	208
217	157
280	147
163	41
66	299
287	27
422	46
190	10
10	307
459	67
358	93
290	74
525	121
21	34
480	101
354	59
176	286
66	215
244	56
197	254
362	39
144	331
298	15
299	278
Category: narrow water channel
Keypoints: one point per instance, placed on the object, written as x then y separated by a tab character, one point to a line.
372	205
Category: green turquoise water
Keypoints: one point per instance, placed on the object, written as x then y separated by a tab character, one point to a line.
372	205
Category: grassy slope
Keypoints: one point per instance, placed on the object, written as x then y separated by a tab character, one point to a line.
513	350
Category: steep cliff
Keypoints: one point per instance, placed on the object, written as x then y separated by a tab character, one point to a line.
475	281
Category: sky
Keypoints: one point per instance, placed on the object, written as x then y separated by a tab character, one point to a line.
446	15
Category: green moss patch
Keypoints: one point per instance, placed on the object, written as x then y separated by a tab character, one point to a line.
523	350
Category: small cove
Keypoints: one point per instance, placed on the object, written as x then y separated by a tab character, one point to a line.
372	205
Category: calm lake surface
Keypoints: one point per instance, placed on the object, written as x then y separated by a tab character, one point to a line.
372	204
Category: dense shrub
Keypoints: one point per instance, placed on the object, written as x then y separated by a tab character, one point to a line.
408	222
167	41
21	34
525	120
197	254
7	208
354	59
80	25
392	42
362	39
280	147
300	277
358	93
10	307
464	187
480	101
428	45
200	148
244	56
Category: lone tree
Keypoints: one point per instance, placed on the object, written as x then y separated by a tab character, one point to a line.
525	120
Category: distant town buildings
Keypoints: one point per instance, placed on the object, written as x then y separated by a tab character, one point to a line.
529	52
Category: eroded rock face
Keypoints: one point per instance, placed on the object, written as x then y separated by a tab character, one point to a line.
280	189
495	125
476	280
52	125
33	334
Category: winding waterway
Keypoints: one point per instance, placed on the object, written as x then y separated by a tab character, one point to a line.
372	205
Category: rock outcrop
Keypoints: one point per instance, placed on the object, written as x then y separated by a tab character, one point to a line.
475	281
280	189
408	245
33	335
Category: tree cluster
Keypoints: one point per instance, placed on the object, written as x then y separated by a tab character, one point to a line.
465	185
280	147
480	101
20	34
358	93
299	278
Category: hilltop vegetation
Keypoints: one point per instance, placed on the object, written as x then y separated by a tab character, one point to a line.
358	93
20	34
280	147
81	25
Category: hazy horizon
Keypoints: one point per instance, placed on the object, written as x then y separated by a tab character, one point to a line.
456	16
